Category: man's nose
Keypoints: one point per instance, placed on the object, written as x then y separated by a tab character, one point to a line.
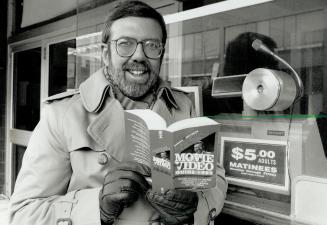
139	52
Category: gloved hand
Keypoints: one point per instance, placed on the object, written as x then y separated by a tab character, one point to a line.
175	206
121	188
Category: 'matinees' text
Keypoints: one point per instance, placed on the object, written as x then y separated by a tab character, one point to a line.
194	163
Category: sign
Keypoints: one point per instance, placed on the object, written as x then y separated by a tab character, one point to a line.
256	163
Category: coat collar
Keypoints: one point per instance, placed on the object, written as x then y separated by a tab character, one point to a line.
164	91
93	92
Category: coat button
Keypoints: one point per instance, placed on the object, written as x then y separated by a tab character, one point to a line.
64	221
212	214
103	158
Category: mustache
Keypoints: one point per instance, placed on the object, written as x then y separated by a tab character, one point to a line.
137	66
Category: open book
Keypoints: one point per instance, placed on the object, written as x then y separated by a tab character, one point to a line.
181	156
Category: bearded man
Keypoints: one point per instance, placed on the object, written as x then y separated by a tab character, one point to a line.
73	172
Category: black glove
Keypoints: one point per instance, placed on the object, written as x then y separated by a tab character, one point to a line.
121	188
175	206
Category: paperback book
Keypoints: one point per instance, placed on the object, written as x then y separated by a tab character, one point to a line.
182	155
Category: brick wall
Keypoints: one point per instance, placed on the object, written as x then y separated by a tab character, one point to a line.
3	62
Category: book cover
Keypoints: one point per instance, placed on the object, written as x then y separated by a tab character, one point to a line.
182	155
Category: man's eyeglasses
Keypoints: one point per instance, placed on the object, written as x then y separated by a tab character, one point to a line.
126	47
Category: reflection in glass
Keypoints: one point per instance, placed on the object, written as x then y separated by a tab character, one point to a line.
73	61
27	75
196	48
89	58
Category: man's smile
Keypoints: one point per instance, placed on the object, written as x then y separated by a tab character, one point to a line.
137	76
137	72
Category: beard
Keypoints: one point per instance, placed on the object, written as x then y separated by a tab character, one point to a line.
133	88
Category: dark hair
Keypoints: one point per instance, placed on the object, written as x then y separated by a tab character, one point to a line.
137	9
241	58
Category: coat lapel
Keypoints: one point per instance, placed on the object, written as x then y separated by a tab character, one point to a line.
108	129
106	125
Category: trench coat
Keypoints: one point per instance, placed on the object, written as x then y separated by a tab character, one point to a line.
78	137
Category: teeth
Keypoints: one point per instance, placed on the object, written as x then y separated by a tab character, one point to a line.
137	72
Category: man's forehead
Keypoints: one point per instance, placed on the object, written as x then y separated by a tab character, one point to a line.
136	27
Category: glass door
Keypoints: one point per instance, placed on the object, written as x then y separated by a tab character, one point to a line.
24	105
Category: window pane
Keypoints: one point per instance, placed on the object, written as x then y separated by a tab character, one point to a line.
202	48
18	153
27	74
73	61
220	45
89	58
62	75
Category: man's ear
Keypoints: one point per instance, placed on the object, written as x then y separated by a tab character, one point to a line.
105	55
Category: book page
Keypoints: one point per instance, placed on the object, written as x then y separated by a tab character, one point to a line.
152	119
137	140
191	122
138	126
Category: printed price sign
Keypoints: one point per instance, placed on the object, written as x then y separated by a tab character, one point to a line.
256	163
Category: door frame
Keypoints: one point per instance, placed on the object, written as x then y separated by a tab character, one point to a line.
18	136
14	136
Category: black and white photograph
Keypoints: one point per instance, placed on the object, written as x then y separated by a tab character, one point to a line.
163	112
